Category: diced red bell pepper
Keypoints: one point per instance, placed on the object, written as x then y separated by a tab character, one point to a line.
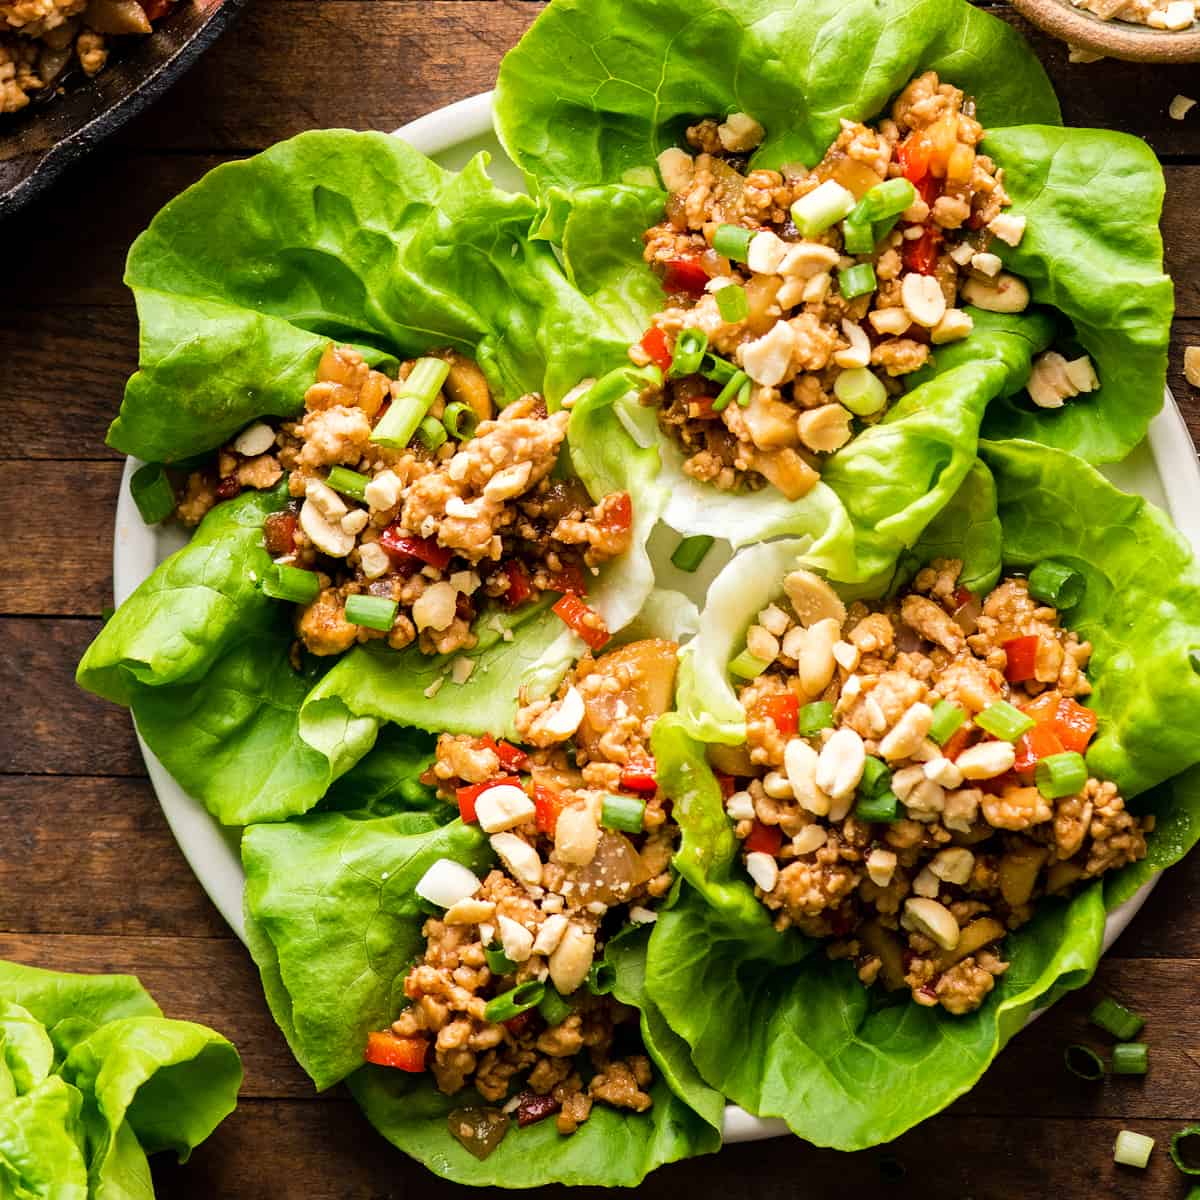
404	550
685	275
963	596
999	785
570	581
765	839
654	342
403	1053
784	711
929	189
279	533
511	757
1074	725
640	777
1040	742
1021	653
519	587
1044	708
958	741
726	783
921	254
913	156
618	513
547	805
467	796
518	1024
582	620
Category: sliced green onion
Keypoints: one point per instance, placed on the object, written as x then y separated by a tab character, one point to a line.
554	1007
521	999
884	227
349	483
1059	775
623	812
947	717
884	807
431	433
732	303
857	280
1132	1149
1084	1063
372	612
601	978
743	396
1116	1019
876	777
1055	583
1004	721
410	404
857	238
688	354
822	207
814	717
861	391
460	420
717	369
291	583
1130	1058
152	493
887	199
746	666
1188	1163
731	389
498	962
690	552
733	241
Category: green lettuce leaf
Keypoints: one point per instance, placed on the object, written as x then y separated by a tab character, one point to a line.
243	280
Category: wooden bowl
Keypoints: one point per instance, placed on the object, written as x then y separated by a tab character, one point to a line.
1113	39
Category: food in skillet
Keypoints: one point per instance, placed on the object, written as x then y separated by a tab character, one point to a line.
40	40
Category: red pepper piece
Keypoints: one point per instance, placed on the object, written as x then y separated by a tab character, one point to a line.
582	620
1040	742
466	796
765	839
279	533
519	587
640	777
958	741
921	254
685	275
785	712
963	596
929	189
913	156
518	1024
547	805
511	757
1021	653
618	513
569	581
403	1053
654	342
727	784
1074	725
404	550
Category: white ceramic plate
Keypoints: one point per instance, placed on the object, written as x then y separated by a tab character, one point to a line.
1164	469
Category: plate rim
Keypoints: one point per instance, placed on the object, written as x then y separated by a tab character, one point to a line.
211	850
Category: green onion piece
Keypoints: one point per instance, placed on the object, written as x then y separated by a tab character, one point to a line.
690	552
884	807
947	717
623	812
1004	721
1055	583
717	369
1130	1058
730	390
1132	1149
746	666
688	353
1116	1019
1188	1161
814	717
822	207
291	583
857	280
498	962
373	612
410	404
887	199
152	493
861	391
601	978
460	420
1084	1063
1059	775
876	777
431	433
521	999
744	393
733	241
884	227
857	238
732	303
554	1007
349	483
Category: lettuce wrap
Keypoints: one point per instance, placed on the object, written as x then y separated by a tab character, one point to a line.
93	1078
842	1066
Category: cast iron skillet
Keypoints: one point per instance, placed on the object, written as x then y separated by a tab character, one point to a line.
37	143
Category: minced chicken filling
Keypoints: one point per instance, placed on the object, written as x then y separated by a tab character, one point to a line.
584	843
878	806
814	340
40	39
1158	14
438	531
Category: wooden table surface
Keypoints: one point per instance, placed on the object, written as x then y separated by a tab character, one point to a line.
90	878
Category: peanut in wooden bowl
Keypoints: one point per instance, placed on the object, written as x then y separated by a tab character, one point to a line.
1113	39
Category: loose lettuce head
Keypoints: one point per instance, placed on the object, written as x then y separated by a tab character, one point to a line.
597	88
93	1078
846	1067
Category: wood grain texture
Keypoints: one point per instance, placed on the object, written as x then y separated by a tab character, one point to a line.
90	876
